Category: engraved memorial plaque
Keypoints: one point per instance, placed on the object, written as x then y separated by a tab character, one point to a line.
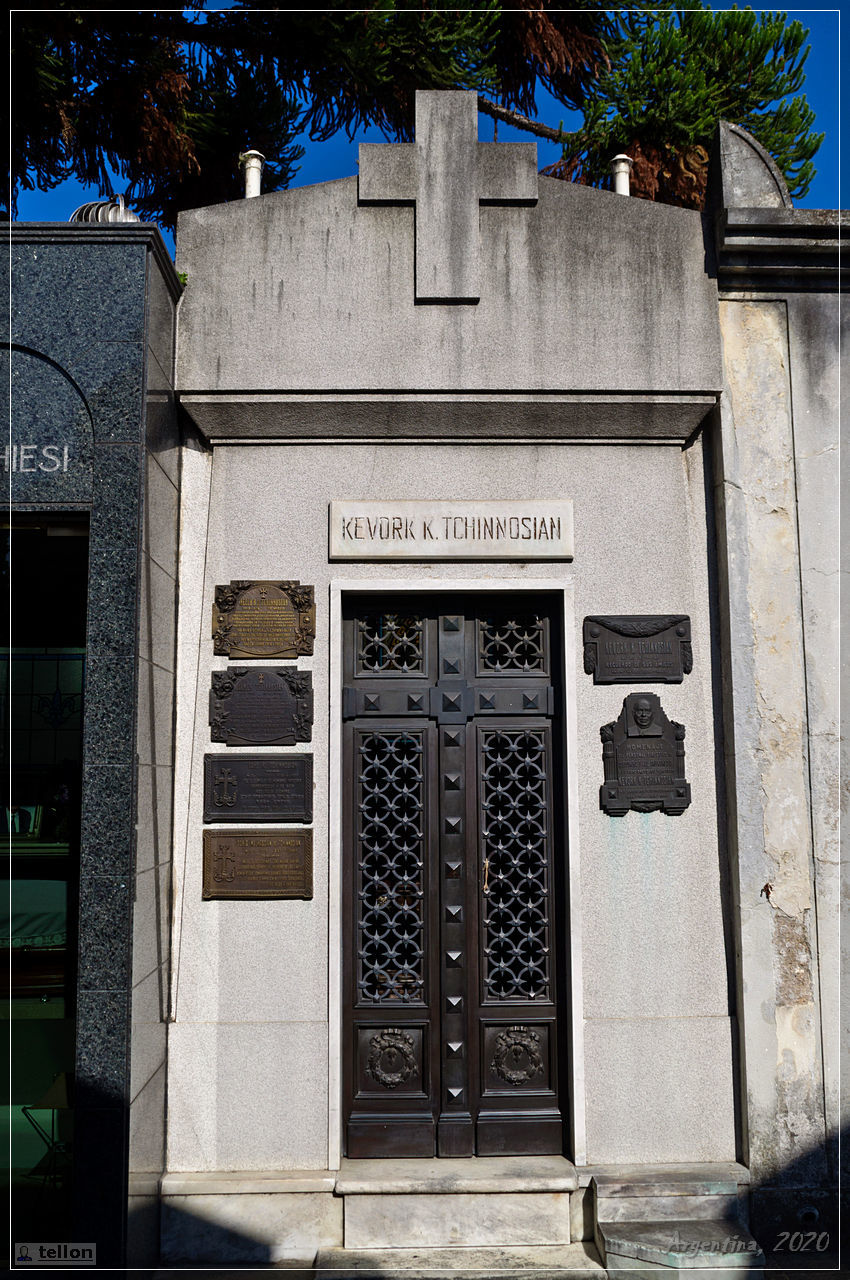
251	788
637	647
261	706
643	755
469	529
264	620
258	864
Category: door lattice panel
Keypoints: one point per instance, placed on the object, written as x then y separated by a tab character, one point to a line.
389	642
512	642
515	836
390	890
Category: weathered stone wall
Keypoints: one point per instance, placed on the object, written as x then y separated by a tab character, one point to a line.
307	290
781	743
815	324
777	502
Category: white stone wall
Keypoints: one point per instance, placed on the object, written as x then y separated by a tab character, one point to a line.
250	1069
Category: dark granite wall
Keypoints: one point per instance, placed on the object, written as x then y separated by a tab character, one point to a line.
92	341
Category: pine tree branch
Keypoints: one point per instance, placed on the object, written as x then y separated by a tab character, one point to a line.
521	122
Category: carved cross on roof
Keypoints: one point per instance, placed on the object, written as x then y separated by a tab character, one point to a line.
446	174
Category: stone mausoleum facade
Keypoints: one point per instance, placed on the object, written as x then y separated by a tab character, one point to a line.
457	874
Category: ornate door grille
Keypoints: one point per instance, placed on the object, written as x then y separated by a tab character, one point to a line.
455	861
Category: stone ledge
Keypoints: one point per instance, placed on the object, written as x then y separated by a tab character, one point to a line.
477	1174
541	1262
143	1184
663	1179
261	1182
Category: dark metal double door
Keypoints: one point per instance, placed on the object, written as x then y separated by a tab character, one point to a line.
453	867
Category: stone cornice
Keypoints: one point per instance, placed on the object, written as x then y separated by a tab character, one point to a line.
779	249
146	233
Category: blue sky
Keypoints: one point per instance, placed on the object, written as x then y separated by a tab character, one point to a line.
338	157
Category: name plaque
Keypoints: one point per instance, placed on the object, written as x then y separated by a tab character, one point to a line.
629	649
261	706
247	788
258	864
643	756
264	620
486	530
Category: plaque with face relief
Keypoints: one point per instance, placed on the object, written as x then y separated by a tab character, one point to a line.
631	648
643	756
261	706
255	788
258	864
264	620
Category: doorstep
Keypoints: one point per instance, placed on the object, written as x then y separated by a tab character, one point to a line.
506	1202
474	1174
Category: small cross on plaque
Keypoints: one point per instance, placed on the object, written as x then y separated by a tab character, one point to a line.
446	174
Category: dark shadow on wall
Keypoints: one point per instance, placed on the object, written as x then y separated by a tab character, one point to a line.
187	1237
708	430
795	1216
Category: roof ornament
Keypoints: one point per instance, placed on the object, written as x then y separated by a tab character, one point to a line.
111	210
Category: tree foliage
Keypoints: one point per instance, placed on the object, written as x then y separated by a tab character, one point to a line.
92	90
156	96
672	75
169	98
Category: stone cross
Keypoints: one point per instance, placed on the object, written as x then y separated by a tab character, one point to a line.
446	174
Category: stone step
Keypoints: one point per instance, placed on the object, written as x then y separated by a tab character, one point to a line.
657	1207
627	1181
720	1246
505	1202
449	1220
657	1193
543	1262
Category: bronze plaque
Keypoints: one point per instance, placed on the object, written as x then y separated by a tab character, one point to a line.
264	620
643	756
261	706
638	647
249	788
258	864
